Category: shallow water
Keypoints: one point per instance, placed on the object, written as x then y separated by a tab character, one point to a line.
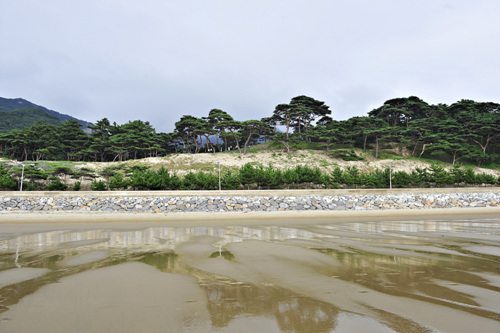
382	276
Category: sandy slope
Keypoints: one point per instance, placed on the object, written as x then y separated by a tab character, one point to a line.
183	163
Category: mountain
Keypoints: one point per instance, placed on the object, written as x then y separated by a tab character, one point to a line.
25	117
20	112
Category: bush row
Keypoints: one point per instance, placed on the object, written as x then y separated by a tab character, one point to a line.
251	176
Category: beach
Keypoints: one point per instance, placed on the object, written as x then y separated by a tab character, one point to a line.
208	218
387	270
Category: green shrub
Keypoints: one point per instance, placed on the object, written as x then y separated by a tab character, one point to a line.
469	176
31	186
77	186
7	183
175	182
144	180
347	155
352	176
204	181
269	177
56	185
289	176
118	181
337	175
248	174
440	175
419	177
401	179
306	174
376	179
164	178
230	181
98	185
484	178
189	182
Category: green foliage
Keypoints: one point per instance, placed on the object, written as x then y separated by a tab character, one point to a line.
145	180
419	176
77	186
440	176
248	174
268	177
347	155
401	179
468	131
337	175
137	167
376	179
484	178
230	181
189	182
57	185
352	176
25	117
175	182
7	183
164	178
306	174
118	181
289	176
98	185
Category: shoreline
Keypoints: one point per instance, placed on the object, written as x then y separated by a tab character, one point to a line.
254	216
226	206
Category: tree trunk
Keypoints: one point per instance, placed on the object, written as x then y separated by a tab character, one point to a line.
236	141
414	148
483	147
210	143
287	127
423	149
246	142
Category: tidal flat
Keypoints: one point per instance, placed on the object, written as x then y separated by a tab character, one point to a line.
310	274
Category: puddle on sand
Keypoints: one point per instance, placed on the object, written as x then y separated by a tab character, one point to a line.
418	276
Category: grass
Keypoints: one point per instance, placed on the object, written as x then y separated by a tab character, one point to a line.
324	163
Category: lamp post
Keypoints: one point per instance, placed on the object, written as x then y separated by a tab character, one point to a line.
390	174
219	175
22	173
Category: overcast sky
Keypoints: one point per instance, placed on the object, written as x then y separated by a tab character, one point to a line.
156	60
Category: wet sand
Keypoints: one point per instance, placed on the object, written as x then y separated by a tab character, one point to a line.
386	271
217	217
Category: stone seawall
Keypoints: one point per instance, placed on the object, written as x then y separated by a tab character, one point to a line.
163	204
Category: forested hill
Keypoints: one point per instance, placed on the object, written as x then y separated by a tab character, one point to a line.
21	113
25	117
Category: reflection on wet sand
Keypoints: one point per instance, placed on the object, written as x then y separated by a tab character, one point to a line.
406	276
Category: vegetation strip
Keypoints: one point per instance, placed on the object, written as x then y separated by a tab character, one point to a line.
249	176
250	203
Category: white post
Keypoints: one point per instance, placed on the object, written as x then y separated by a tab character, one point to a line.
22	173
219	175
22	176
390	175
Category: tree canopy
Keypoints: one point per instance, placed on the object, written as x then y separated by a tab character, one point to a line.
465	130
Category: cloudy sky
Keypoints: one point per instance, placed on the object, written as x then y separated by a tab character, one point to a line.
156	60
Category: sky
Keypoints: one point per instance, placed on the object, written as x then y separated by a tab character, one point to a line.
157	60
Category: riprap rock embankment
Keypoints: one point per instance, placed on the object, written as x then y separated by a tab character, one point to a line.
159	204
